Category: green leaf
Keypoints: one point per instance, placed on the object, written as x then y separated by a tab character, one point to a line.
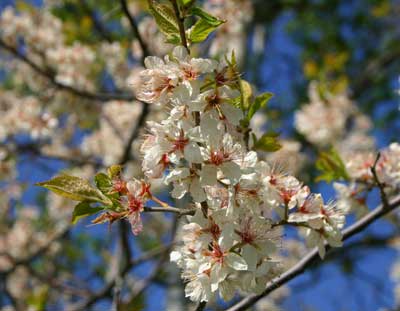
203	27
103	182
268	142
83	209
186	3
173	39
331	166
166	20
260	102
211	20
74	188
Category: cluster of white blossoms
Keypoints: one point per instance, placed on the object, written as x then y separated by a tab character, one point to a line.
24	114
334	120
354	194
323	120
73	64
44	44
200	149
41	31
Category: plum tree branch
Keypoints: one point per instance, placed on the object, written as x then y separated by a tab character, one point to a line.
39	252
50	76
135	30
181	24
169	209
107	289
312	256
377	181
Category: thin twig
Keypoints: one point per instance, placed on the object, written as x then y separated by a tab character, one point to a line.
144	284
50	75
126	155
201	306
378	183
135	29
312	256
34	149
169	209
181	24
39	252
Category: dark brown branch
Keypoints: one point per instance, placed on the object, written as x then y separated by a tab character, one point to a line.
50	75
377	181
126	155
34	149
108	287
39	252
312	256
201	306
181	24
135	30
144	284
374	69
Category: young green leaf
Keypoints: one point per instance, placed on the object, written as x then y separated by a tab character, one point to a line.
331	166
83	209
74	188
211	20
166	21
103	182
203	27
268	142
186	3
260	102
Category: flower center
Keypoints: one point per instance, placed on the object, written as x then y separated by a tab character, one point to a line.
217	157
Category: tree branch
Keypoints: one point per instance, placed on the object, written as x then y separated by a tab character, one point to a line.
34	149
107	289
377	181
201	306
39	252
51	77
312	256
126	155
181	24
135	29
169	209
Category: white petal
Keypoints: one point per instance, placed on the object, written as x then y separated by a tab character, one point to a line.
180	53
177	174
226	290
231	171
232	114
192	153
208	175
153	62
197	192
236	262
250	256
175	256
179	190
